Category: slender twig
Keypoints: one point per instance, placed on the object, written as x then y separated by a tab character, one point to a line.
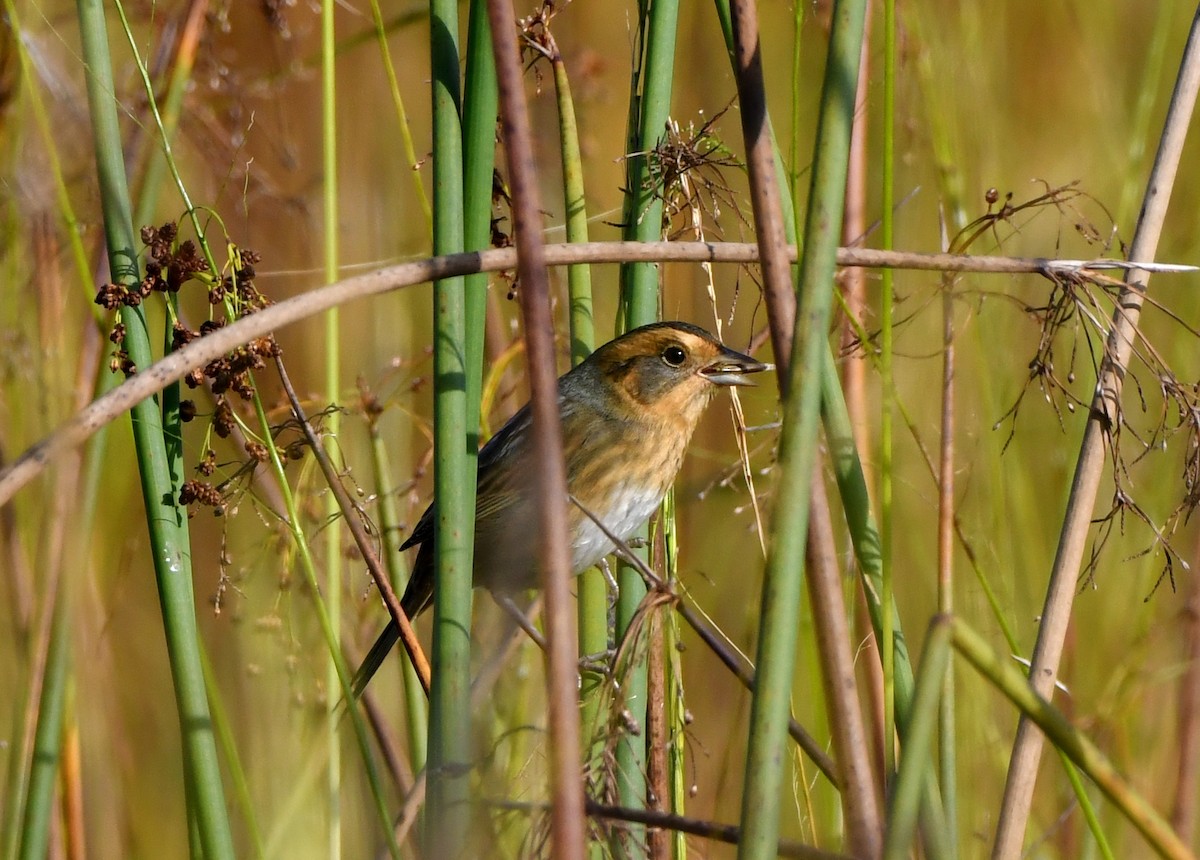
397	765
1105	414
203	350
550	486
727	833
945	550
350	516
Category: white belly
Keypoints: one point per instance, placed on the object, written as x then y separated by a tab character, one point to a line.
626	513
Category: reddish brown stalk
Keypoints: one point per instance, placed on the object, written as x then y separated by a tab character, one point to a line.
854	280
71	779
397	765
1104	414
656	736
408	636
764	187
859	801
854	374
567	822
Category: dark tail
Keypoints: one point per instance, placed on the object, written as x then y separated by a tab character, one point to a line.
375	657
418	596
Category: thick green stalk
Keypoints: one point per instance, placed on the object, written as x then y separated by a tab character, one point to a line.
333	372
480	102
763	785
649	110
648	117
166	520
450	756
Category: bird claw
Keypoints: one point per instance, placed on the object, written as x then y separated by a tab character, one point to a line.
608	577
599	663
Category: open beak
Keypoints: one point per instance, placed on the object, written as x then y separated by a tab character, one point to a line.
730	368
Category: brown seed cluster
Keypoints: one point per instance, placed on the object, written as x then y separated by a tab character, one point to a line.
200	492
170	264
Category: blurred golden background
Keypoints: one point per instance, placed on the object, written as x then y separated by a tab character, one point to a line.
1019	96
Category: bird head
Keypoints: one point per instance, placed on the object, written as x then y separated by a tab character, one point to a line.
671	369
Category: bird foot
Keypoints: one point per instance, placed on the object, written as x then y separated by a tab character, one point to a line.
599	663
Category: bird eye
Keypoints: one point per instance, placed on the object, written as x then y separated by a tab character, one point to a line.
674	356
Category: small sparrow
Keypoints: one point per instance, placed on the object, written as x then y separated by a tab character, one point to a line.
628	412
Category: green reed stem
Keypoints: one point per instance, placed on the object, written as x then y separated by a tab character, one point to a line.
333	395
676	717
1086	806
406	139
166	520
62	197
915	765
650	104
776	657
649	107
579	277
480	104
450	758
999	670
848	470
887	621
228	741
794	168
47	743
592	590
156	165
